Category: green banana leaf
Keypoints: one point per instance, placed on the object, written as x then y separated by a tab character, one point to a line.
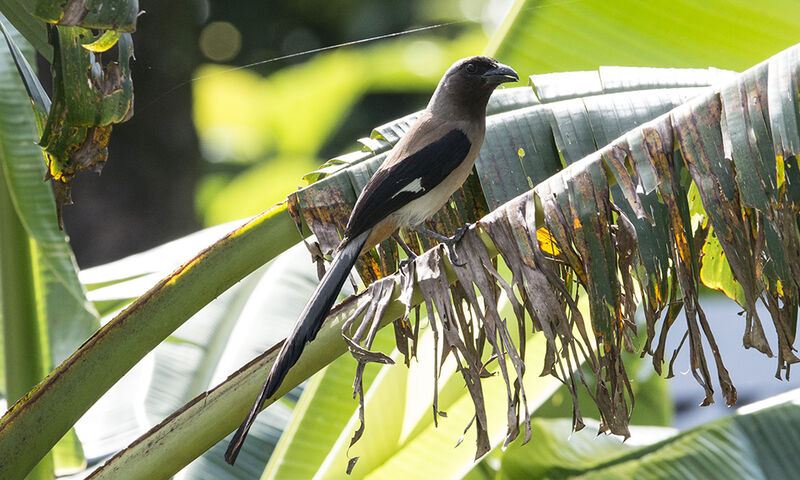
242	322
72	318
748	444
555	36
18	13
45	312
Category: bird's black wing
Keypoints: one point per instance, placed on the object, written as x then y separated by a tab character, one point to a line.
410	178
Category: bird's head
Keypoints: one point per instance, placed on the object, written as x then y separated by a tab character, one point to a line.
479	73
470	81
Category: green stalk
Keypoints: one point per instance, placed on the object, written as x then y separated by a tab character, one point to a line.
209	417
32	426
22	333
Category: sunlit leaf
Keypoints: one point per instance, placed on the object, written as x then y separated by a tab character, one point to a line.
541	37
107	40
747	445
716	273
397	445
204	350
321	415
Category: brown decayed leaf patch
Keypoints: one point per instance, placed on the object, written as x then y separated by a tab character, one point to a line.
614	227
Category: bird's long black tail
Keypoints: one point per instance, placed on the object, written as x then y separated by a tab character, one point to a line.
304	331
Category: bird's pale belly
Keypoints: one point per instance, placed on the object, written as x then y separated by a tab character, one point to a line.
419	210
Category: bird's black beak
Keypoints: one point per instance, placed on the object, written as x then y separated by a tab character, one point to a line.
501	74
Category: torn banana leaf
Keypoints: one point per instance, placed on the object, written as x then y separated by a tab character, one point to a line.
547	89
620	231
501	172
78	127
119	15
719	141
652	165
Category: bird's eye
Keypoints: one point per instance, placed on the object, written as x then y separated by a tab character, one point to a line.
471	68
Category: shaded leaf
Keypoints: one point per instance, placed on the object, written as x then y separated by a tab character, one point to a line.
39	98
17	12
78	127
119	15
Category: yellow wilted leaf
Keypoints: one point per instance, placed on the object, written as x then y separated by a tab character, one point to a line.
716	273
547	242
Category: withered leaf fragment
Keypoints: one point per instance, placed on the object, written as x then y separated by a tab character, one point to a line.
88	98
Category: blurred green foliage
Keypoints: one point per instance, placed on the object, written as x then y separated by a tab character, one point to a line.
276	127
259	135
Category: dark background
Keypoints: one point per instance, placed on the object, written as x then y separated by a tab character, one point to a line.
145	195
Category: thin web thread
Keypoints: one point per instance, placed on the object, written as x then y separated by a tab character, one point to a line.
300	54
338	45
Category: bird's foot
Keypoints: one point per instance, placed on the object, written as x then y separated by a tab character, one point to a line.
406	261
410	255
460	232
448	242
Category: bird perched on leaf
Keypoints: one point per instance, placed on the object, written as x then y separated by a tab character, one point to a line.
418	177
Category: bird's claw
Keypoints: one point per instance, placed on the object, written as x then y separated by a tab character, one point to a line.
406	261
453	255
460	232
410	255
450	243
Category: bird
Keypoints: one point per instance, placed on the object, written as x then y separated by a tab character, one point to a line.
426	166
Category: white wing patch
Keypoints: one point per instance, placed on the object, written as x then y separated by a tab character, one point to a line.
413	187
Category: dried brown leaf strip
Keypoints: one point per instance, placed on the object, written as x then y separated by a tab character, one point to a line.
615	227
